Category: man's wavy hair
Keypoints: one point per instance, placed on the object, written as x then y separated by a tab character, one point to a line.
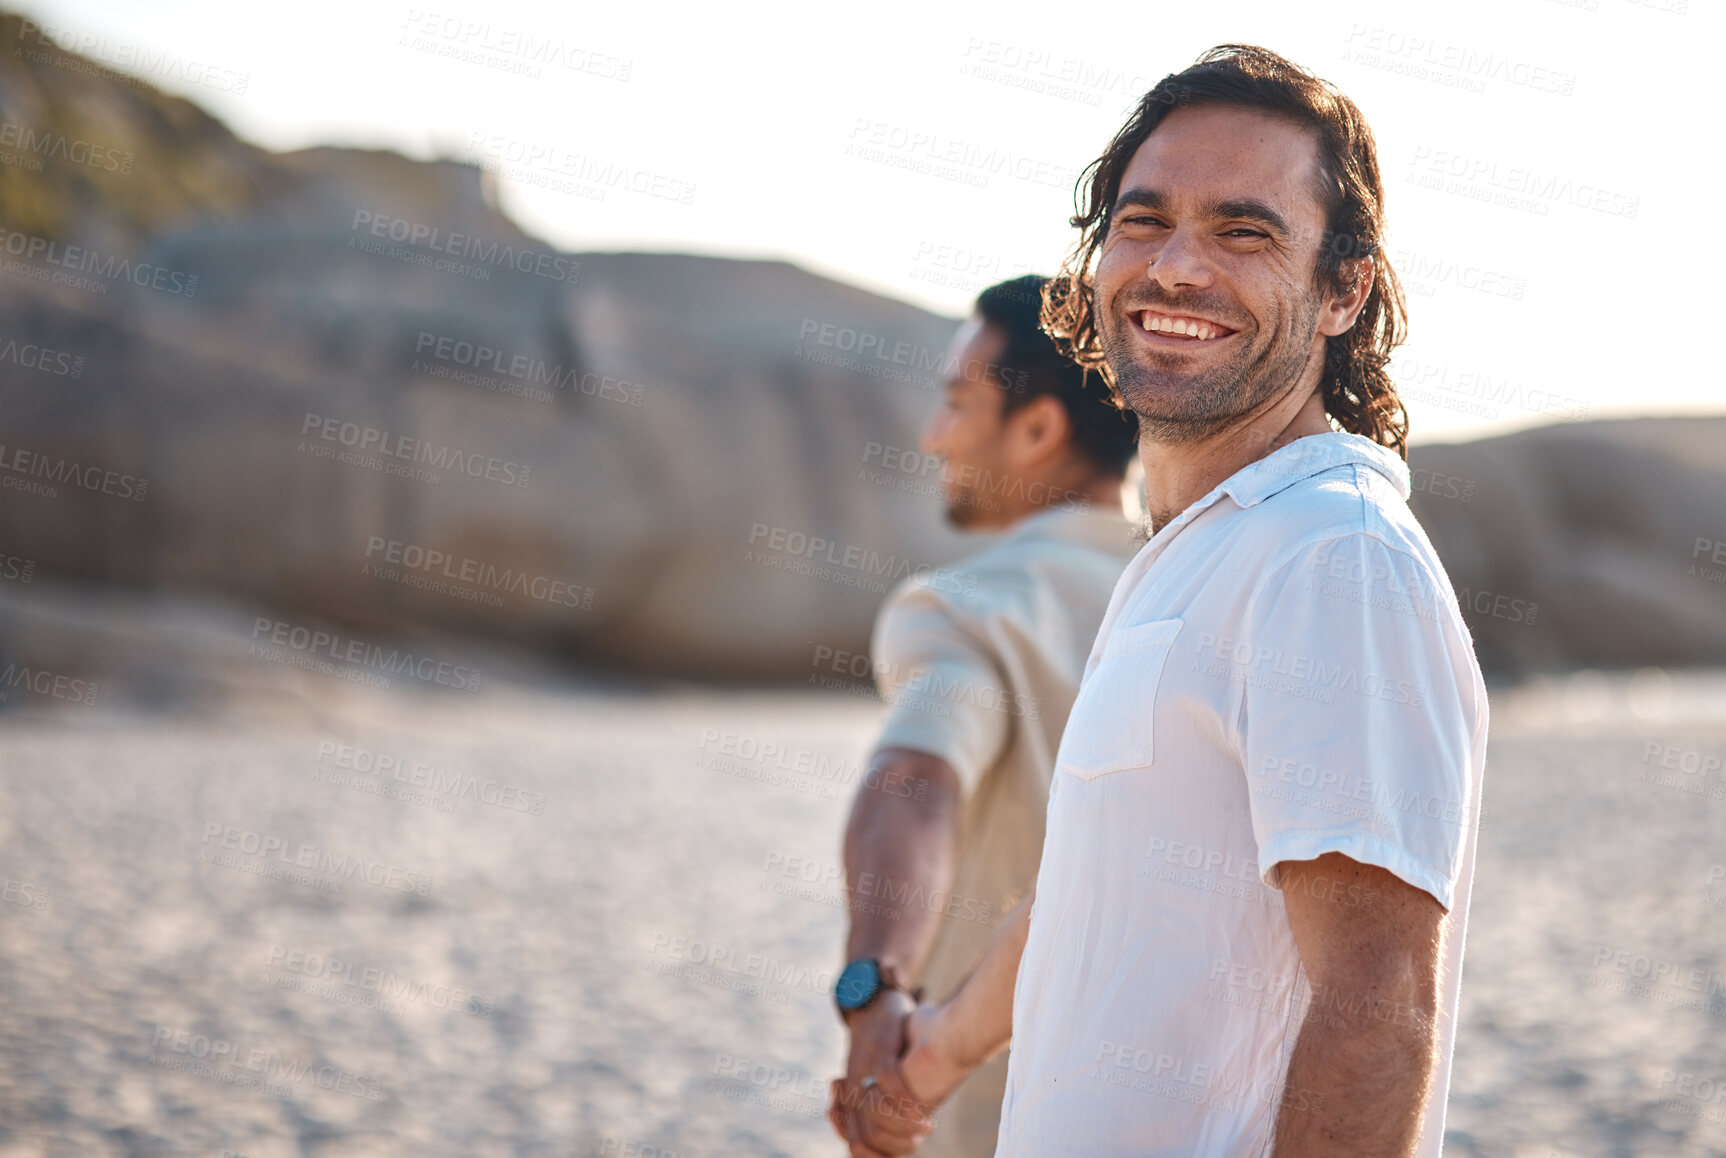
1359	395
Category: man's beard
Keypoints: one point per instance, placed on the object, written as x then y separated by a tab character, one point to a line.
965	508
962	511
1176	408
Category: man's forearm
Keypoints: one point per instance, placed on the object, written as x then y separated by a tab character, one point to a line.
1359	1077
902	841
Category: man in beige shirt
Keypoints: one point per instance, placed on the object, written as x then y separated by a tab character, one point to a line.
947	829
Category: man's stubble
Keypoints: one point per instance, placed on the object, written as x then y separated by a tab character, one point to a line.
1177	408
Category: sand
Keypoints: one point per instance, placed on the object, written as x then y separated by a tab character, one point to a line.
541	920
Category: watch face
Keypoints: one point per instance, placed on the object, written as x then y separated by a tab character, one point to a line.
858	984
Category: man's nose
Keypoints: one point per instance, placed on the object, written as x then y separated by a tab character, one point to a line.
932	439
1181	261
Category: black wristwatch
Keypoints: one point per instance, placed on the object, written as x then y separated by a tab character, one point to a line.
862	981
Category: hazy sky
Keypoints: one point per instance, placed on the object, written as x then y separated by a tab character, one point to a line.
1535	151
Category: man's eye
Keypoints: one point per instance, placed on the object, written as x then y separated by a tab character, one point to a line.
1141	219
1245	233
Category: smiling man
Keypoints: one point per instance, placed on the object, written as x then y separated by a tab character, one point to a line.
1247	928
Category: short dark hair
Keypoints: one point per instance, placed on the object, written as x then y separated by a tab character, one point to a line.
1105	433
1358	391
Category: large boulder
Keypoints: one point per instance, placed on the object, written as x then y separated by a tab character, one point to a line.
641	471
1585	544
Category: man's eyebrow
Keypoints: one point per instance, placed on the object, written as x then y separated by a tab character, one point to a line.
1141	197
1250	209
1243	208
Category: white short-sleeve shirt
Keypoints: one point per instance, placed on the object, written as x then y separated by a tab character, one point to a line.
1282	672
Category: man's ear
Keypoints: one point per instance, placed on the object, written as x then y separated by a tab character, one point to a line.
1339	313
1038	430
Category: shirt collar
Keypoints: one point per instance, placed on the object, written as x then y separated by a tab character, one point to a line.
1283	468
1306	457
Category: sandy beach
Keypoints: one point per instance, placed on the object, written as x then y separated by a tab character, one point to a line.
539	920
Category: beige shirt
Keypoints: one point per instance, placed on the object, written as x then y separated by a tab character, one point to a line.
981	664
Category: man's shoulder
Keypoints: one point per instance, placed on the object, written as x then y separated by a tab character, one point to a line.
1346	500
1086	539
1074	560
1076	548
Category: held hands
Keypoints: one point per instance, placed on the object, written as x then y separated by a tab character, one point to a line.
897	1074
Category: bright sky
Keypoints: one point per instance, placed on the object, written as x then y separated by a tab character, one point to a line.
1532	148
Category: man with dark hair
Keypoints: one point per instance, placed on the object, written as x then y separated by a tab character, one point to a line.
1246	933
981	669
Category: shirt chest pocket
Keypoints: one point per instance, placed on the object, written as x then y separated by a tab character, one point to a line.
1109	729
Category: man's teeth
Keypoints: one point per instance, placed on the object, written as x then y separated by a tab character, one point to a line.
1203	331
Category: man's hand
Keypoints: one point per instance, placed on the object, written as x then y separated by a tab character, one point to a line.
904	828
877	1039
896	1112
